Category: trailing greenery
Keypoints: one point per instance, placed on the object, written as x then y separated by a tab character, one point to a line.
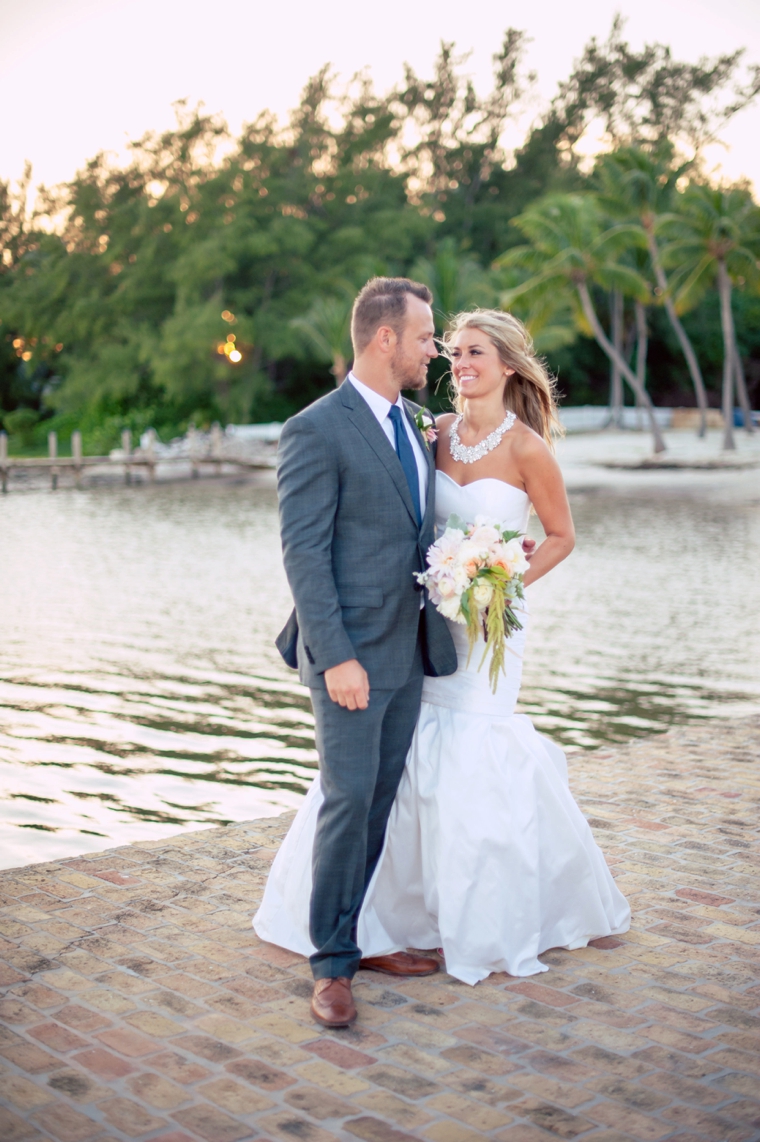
211	278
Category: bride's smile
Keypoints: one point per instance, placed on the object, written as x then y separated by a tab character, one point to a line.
479	373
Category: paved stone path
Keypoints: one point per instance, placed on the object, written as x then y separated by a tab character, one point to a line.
137	1003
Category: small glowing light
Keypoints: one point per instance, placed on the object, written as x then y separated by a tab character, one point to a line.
439	216
167	227
221	347
18	342
59	346
27	356
228	316
236	356
351	199
263	192
231	337
228	348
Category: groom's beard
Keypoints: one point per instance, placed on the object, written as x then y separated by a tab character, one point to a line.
408	373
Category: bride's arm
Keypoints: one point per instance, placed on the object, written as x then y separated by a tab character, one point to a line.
543	481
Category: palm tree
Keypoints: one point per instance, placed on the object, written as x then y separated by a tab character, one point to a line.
326	328
715	237
569	250
456	280
636	184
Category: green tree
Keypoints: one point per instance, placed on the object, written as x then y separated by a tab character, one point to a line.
647	98
569	251
456	279
715	238
639	185
327	330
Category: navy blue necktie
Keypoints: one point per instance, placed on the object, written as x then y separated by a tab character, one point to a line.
405	453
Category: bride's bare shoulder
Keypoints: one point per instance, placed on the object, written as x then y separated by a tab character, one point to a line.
444	419
529	447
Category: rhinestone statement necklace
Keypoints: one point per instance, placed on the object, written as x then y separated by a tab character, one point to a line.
468	455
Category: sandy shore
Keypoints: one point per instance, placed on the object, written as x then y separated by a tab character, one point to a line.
138	1004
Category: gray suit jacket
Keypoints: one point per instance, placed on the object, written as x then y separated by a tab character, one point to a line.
351	545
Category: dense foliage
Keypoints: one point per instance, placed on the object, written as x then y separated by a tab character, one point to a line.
212	277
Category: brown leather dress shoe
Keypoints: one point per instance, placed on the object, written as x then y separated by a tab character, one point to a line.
332	1003
401	963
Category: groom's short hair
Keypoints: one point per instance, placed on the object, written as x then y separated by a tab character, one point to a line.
382	301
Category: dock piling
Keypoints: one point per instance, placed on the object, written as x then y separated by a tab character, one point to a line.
53	455
216	445
151	454
126	447
192	449
76	452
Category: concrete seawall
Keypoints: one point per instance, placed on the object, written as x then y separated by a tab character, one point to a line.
137	1004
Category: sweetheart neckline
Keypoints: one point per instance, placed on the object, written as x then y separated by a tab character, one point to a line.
482	480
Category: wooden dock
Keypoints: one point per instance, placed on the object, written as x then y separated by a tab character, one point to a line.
130	460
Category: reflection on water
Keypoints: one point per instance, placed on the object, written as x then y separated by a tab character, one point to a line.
140	692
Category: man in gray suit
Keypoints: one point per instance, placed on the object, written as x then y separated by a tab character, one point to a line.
357	509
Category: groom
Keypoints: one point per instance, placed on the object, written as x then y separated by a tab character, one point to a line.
357	490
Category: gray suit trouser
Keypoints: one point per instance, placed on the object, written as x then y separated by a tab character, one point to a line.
361	759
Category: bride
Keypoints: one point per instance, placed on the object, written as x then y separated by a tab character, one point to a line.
487	856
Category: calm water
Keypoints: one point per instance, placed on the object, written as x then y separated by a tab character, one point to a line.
140	693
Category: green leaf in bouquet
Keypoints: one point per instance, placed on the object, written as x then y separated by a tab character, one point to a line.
470	612
456	523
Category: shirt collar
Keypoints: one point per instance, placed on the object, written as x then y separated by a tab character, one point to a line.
380	405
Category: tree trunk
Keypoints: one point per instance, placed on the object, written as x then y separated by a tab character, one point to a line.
741	390
613	355
683	339
727	325
642	345
615	418
339	368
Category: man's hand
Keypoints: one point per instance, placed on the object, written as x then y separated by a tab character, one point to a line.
529	547
348	685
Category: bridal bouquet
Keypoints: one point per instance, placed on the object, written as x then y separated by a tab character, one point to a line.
475	573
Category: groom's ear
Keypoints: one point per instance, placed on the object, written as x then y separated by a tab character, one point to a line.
385	338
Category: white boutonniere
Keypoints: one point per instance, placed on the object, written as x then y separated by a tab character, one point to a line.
426	424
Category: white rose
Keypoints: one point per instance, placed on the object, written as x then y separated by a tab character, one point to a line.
446	587
482	593
449	608
461	579
515	557
484	536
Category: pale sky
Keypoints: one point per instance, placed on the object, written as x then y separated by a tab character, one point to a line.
79	76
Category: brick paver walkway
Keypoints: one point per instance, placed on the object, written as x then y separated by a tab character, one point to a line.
137	1003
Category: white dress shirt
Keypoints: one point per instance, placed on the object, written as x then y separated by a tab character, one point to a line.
380	406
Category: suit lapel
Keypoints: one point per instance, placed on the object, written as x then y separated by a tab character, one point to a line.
429	457
365	421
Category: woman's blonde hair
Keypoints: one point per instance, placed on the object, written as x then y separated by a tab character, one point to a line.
531	391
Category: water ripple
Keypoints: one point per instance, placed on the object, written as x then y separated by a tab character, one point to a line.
141	695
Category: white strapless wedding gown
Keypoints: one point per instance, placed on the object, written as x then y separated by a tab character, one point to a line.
487	855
